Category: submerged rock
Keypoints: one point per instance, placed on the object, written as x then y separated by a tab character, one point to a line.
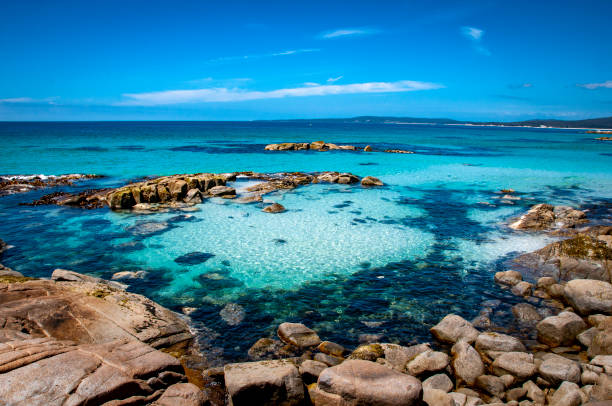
233	314
371	181
194	258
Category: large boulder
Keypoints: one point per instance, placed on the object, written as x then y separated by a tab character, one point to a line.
561	329
518	364
568	394
467	363
365	383
275	382
491	341
298	335
509	278
556	369
452	328
589	296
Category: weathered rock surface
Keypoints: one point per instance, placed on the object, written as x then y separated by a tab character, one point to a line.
491	341
561	329
467	363
428	361
275	382
19	184
439	381
310	370
452	328
556	369
45	371
365	383
298	335
509	278
589	296
313	146
518	364
568	394
88	312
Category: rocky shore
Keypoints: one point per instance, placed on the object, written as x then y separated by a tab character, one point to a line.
189	189
76	339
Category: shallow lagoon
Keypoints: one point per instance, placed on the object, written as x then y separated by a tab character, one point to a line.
345	260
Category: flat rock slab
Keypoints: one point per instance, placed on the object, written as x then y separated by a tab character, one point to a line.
87	313
274	382
364	383
48	372
298	335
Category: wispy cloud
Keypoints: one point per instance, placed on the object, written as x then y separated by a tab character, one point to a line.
475	35
520	85
221	94
227	59
592	86
28	100
332	80
348	32
311	84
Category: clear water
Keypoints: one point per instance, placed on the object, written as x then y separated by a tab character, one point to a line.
340	258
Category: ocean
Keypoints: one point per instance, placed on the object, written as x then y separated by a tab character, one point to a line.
348	261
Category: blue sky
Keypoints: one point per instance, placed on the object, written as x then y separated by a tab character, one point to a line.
205	60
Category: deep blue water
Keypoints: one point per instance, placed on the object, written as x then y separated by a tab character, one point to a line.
345	260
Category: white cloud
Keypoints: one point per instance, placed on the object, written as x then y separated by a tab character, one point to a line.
472	33
607	84
347	32
332	80
222	94
311	84
475	35
225	59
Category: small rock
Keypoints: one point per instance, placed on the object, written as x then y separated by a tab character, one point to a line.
310	370
368	352
129	275
184	394
586	337
397	356
298	335
561	329
274	208
371	181
452	328
522	289
467	363
437	397
515	394
556	369
331	348
526	313
534	392
327	359
439	381
491	341
568	394
492	385
430	361
367	149
518	364
509	278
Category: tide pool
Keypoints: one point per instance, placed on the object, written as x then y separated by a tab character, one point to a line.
345	260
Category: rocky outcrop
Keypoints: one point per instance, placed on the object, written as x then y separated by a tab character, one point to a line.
20	184
274	208
545	217
88	312
371	181
398	151
313	146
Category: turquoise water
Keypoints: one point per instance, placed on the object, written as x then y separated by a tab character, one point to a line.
345	260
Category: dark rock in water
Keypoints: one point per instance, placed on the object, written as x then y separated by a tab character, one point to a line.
225	262
182	218
232	314
280	241
3	246
148	228
129	246
193	258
